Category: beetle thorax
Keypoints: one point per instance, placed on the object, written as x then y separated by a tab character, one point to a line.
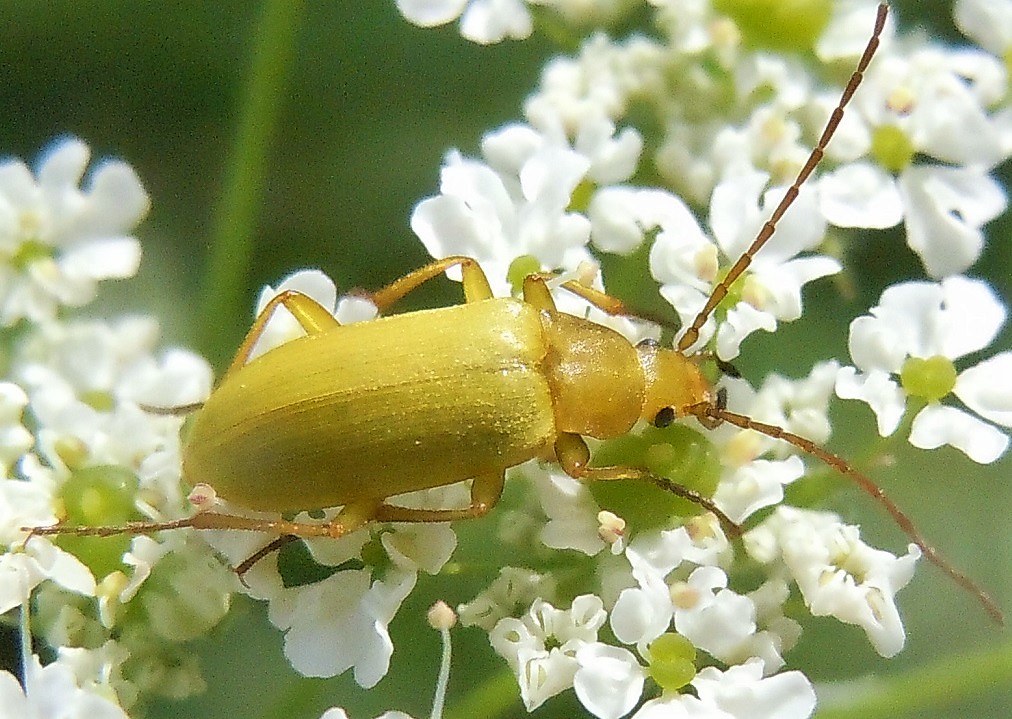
595	377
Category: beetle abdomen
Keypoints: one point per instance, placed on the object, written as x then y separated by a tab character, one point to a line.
377	409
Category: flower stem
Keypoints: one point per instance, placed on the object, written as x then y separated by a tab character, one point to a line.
490	699
235	217
946	681
444	676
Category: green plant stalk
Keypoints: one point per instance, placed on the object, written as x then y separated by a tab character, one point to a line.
223	295
946	681
492	698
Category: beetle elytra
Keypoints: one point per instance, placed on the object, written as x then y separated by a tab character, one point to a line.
360	413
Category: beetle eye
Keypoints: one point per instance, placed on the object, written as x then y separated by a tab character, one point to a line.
649	343
665	417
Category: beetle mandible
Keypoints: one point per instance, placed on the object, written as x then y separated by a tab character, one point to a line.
359	415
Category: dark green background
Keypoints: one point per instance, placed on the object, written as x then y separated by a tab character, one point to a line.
373	104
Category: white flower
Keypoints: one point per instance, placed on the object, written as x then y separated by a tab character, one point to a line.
712	617
989	22
799	406
340	622
88	382
745	489
838	574
915	334
847	32
512	589
685	262
481	21
933	102
57	240
52	692
643	613
338	713
514	205
283	327
739	692
716	619
28	504
613	156
572	513
543	672
609	680
15	440
748	481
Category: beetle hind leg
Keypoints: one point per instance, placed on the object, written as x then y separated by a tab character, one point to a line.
313	317
486	489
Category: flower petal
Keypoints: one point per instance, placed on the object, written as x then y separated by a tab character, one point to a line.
936	425
609	681
986	389
860	195
946	207
881	393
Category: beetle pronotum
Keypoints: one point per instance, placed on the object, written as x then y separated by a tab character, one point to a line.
481	387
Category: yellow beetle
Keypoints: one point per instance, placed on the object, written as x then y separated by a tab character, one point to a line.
352	415
426	399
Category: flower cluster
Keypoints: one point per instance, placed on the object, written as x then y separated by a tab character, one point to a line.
77	445
645	605
730	128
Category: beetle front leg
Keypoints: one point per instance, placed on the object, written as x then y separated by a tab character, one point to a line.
614	306
573	455
536	292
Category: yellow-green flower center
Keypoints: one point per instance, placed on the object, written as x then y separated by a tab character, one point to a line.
672	661
519	269
892	148
930	379
783	25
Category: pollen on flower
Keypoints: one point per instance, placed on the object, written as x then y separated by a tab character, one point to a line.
611	527
441	616
202	497
754	292
702	527
724	33
72	451
901	100
684	595
707	263
930	379
892	148
742	448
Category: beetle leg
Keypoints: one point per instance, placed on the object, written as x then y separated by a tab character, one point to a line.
348	519
473	278
573	455
536	292
313	317
485	492
616	307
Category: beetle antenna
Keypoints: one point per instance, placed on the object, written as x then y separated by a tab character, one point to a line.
720	291
713	412
731	528
273	546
